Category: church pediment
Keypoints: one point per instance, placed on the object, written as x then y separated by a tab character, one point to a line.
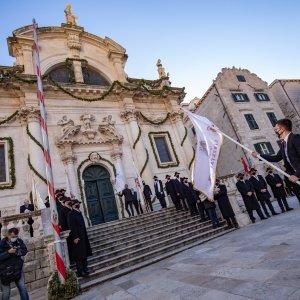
88	132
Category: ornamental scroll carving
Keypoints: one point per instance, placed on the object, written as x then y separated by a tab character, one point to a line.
88	132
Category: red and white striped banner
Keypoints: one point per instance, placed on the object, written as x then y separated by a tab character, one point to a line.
54	216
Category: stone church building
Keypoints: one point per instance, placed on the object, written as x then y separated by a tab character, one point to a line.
97	117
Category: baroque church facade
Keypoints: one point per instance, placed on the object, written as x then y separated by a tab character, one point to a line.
97	117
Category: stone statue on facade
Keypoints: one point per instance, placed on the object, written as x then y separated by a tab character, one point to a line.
68	128
87	129
70	18
107	127
162	74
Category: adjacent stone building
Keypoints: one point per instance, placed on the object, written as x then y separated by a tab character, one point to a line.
287	94
97	116
242	106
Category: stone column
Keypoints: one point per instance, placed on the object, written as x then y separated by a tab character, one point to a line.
69	160
130	116
78	71
31	116
117	59
176	118
28	59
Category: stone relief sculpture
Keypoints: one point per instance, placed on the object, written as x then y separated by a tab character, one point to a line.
107	127
70	19
68	129
87	129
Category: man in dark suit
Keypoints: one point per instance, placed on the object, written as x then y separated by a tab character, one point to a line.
189	196
178	189
289	152
262	193
220	195
277	186
171	191
136	203
26	208
63	213
246	189
80	247
159	192
147	194
128	200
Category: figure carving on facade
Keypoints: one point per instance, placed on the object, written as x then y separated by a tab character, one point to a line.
107	127
87	129
70	19
94	157
68	129
162	74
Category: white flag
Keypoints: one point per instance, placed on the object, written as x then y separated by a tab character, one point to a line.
120	181
138	183
36	197
209	144
68	192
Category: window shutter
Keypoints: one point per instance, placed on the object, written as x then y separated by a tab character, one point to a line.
257	148
246	97
256	97
270	148
234	97
267	97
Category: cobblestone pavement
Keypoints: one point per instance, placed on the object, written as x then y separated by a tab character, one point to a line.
260	261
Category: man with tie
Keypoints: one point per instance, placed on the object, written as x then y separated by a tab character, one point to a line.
171	191
289	152
159	192
277	186
262	193
246	189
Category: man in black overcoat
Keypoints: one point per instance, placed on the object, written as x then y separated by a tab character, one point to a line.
128	200
247	191
26	208
189	195
178	189
220	195
262	193
63	213
171	191
159	192
80	245
277	186
136	203
289	152
147	194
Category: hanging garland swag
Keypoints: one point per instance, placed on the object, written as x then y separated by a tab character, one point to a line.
5	121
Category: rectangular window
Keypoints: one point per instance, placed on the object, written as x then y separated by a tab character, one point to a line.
261	97
240	97
251	121
162	149
272	118
3	164
241	78
264	148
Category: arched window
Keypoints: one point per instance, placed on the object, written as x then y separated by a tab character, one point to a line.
64	74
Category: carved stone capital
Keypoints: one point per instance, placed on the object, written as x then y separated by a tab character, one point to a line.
129	115
176	116
116	154
73	41
68	158
29	114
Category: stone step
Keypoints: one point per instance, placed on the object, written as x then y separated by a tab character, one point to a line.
153	242
134	222
125	267
144	250
129	231
119	242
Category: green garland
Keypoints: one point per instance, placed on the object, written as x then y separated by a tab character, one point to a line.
33	138
122	207
9	118
151	83
155	122
138	137
193	158
169	165
106	160
31	167
185	136
145	164
69	66
11	158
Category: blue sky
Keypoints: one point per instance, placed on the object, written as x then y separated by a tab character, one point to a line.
194	39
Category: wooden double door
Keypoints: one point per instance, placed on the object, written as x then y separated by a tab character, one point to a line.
99	195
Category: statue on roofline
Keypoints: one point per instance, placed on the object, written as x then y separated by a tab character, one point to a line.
70	19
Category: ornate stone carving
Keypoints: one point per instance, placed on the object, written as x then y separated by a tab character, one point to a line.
94	157
70	18
74	41
129	114
29	114
87	129
85	134
176	115
68	129
162	74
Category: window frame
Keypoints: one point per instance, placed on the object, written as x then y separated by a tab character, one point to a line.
234	96
7	163
248	122
241	78
268	115
260	100
268	145
171	149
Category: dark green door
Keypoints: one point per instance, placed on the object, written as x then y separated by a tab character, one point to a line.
99	195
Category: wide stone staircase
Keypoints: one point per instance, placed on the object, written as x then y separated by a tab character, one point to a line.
120	247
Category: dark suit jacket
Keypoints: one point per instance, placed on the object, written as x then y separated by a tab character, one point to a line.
293	149
147	191
178	186
188	192
23	208
259	185
127	195
160	194
170	188
223	202
251	202
272	181
63	218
